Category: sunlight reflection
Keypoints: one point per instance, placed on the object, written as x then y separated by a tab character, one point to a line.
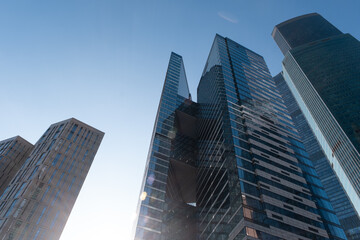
143	196
150	179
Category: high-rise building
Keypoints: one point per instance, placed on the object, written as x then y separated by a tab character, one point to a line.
343	208
165	210
13	152
37	202
232	165
323	73
303	30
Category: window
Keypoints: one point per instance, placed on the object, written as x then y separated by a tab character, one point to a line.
62	162
86	153
56	159
20	189
54	220
72	131
52	176
42	213
46	191
41	158
55	198
68	148
72	182
37	233
51	144
34	171
77	135
10	208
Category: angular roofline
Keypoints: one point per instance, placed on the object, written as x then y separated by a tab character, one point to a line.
72	119
245	47
227	39
297	18
17	137
292	20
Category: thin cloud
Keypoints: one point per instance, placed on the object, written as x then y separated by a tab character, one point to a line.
228	17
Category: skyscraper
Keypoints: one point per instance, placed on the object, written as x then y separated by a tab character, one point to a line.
13	152
39	199
343	208
230	166
164	211
323	73
303	30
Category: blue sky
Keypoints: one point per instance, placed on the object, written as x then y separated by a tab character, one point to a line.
104	62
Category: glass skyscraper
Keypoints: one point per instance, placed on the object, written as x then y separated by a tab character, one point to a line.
343	208
323	73
166	210
39	198
232	165
302	30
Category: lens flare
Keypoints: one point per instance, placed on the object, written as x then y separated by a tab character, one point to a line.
143	196
150	179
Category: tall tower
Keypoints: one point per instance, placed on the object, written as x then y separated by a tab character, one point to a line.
37	202
166	209
238	146
13	152
303	30
253	174
343	208
323	73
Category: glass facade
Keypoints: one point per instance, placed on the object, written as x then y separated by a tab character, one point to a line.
238	146
37	202
261	145
13	153
342	206
302	30
323	74
166	209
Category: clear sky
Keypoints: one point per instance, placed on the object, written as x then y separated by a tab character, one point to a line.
104	63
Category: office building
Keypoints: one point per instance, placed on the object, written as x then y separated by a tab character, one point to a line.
232	165
37	202
343	208
164	210
303	30
323	74
13	152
